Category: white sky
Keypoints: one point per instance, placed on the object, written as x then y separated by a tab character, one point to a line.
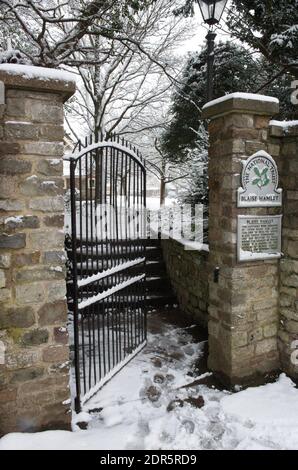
201	29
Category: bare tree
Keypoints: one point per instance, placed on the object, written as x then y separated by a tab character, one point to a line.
52	32
127	87
165	171
129	93
122	52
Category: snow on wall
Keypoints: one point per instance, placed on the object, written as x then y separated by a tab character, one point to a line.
194	246
284	124
41	73
243	96
249	255
2	93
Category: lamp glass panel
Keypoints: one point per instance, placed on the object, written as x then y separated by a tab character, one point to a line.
212	10
219	7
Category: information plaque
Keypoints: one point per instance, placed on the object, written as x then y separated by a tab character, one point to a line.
259	237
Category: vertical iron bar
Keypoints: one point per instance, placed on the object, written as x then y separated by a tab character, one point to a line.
107	313
94	306
117	242
83	268
88	309
116	249
75	285
144	251
135	249
97	284
103	254
112	254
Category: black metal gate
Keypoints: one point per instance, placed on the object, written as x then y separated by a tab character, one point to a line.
106	246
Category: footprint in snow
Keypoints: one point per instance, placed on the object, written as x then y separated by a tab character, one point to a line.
188	425
188	350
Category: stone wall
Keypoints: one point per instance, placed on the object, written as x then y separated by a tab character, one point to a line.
188	272
34	375
244	304
287	137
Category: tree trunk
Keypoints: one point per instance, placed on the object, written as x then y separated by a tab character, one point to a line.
98	178
163	183
162	191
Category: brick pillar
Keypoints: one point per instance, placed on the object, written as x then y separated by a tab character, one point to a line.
287	136
243	310
34	374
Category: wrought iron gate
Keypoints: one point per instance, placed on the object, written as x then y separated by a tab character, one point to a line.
106	251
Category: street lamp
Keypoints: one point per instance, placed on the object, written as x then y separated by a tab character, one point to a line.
212	11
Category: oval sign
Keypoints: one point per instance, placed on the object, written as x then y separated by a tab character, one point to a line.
259	182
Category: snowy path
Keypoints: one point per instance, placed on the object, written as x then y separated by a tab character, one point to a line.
144	408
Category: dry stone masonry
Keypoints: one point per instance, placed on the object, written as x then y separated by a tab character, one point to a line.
34	375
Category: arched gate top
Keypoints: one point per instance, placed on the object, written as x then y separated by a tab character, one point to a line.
77	155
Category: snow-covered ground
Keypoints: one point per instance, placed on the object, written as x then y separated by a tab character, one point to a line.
145	408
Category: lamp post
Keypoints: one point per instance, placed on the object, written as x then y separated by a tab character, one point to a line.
211	11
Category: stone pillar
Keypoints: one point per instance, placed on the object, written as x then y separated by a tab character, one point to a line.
287	136
34	372
243	304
